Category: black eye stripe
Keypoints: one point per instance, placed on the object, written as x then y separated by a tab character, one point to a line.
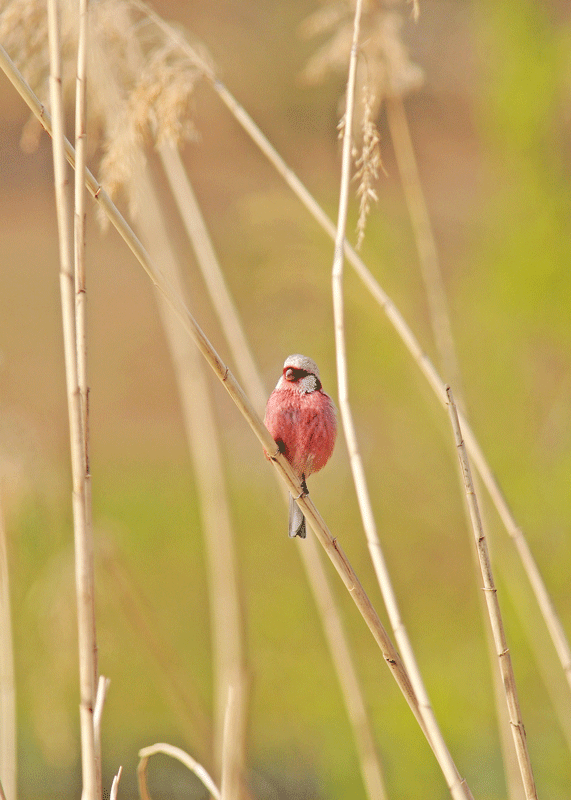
296	374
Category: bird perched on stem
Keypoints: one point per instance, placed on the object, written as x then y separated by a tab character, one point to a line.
302	421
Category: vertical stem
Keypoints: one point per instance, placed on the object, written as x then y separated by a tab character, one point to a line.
458	787
425	243
81	331
115	785
79	222
83	544
491	595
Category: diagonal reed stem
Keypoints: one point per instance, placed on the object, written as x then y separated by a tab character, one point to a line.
491	595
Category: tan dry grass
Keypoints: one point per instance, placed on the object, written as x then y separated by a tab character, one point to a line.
383	70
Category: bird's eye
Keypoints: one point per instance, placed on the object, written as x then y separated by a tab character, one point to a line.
292	374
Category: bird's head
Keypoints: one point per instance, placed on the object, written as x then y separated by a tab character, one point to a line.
300	372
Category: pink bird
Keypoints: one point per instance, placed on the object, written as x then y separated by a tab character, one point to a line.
302	420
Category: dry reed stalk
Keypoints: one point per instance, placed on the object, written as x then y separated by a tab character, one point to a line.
424	238
8	768
83	543
81	338
244	405
493	605
79	223
102	687
229	320
456	784
115	785
180	755
230	670
230	773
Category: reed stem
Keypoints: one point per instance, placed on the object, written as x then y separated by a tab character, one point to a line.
83	543
491	595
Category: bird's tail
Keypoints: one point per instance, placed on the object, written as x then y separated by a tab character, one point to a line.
296	520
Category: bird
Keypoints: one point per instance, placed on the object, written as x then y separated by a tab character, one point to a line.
302	419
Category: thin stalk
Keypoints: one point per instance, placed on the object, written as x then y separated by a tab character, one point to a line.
83	544
180	755
102	687
458	786
115	785
8	769
242	402
203	441
230	776
81	330
425	243
79	222
317	578
491	595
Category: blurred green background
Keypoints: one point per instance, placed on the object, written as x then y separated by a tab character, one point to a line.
492	131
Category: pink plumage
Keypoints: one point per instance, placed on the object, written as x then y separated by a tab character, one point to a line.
302	421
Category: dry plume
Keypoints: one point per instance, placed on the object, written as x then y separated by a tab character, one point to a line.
141	81
384	70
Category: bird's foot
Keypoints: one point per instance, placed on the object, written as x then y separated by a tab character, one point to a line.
304	490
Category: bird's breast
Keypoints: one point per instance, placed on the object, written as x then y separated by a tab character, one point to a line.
304	426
